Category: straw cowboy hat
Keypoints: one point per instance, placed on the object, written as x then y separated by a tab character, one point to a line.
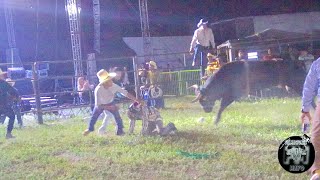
154	64
2	72
104	76
202	21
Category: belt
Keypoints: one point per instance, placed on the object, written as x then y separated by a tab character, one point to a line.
207	47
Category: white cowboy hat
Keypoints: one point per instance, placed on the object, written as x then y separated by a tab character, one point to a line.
104	76
2	72
202	21
154	64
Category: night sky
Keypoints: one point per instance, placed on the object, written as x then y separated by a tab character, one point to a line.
120	18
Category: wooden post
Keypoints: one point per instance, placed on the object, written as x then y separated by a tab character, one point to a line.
136	77
36	90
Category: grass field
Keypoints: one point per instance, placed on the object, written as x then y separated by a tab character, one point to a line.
243	146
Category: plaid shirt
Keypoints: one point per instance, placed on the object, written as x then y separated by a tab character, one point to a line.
311	86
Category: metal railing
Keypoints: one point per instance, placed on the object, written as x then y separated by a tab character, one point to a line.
173	82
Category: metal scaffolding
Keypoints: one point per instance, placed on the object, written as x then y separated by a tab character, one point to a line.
12	53
144	20
73	9
96	20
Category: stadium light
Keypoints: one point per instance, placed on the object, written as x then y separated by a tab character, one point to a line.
73	9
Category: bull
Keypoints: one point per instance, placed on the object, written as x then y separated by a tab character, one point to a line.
240	78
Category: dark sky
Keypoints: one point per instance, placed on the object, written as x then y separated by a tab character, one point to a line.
120	18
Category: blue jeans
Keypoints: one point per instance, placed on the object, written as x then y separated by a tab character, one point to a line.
200	52
17	111
7	111
96	113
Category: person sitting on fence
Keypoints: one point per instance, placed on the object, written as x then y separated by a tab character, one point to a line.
104	95
213	66
7	90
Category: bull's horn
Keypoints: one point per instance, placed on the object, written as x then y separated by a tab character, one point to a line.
195	86
197	98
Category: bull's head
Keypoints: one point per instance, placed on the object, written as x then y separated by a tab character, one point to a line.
206	100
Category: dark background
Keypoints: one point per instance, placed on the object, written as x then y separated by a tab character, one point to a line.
120	18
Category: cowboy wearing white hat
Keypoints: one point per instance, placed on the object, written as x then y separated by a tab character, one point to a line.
5	108
104	95
202	41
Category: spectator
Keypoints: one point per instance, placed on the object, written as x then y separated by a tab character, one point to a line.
119	75
306	59
270	56
241	56
84	89
142	72
202	42
294	53
285	55
125	79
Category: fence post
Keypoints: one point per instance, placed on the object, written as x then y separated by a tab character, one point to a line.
184	60
179	84
37	92
136	78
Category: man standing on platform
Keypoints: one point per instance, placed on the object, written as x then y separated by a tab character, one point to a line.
202	42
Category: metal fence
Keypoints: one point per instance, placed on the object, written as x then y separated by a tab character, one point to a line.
54	96
177	82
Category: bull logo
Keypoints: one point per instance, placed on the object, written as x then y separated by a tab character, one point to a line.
296	154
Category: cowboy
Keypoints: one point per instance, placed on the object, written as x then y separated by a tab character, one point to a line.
202	41
152	85
104	95
6	90
213	66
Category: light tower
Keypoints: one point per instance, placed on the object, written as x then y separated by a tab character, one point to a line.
145	30
73	8
12	53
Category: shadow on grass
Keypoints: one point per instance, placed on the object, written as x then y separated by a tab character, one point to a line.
192	136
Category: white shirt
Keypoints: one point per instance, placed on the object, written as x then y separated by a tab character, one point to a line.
203	37
307	57
106	96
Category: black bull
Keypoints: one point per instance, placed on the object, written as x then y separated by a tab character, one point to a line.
239	78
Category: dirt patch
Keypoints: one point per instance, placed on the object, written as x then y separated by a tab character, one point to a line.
71	157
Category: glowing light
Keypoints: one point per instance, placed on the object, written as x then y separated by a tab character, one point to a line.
73	9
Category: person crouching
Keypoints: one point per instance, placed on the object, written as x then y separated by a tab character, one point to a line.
104	95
